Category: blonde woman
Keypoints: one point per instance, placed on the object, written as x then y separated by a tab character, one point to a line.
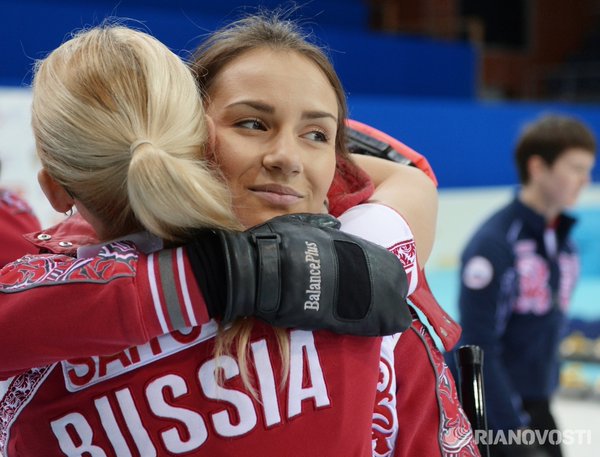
120	129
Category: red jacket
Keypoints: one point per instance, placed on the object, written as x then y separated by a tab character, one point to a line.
157	397
151	394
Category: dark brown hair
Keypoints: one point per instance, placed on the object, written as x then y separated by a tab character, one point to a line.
265	29
549	137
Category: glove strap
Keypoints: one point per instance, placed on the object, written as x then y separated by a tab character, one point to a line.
269	271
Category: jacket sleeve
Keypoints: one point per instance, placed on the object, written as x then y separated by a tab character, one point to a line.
485	301
431	420
120	298
54	307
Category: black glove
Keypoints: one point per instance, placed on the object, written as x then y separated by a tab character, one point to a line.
300	271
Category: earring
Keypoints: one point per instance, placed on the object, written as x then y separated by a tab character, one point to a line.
69	213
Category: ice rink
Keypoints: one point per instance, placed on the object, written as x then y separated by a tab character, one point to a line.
582	417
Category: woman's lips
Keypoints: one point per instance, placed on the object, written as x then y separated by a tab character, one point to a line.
276	194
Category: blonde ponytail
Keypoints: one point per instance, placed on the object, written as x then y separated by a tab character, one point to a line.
171	194
101	93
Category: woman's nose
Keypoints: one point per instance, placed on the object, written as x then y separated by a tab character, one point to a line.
284	155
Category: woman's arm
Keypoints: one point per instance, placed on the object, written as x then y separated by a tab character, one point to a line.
55	307
408	191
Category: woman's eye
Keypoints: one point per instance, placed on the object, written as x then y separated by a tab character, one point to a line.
252	124
317	135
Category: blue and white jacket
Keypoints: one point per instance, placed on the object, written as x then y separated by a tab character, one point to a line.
517	279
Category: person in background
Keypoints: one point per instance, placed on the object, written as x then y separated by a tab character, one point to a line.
517	275
16	219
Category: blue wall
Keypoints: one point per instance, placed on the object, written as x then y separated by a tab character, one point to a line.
367	62
421	91
468	143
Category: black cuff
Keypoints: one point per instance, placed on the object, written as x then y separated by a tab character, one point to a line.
354	299
206	256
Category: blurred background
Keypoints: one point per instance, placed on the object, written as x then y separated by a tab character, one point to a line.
454	79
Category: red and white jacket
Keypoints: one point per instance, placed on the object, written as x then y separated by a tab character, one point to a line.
115	377
123	350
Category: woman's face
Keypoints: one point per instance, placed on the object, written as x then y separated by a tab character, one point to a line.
275	117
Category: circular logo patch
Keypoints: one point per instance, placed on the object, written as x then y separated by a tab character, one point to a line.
478	273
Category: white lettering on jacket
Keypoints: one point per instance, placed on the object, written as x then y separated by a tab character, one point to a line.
84	372
75	434
313	292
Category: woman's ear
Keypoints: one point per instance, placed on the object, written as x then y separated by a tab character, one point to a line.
56	194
